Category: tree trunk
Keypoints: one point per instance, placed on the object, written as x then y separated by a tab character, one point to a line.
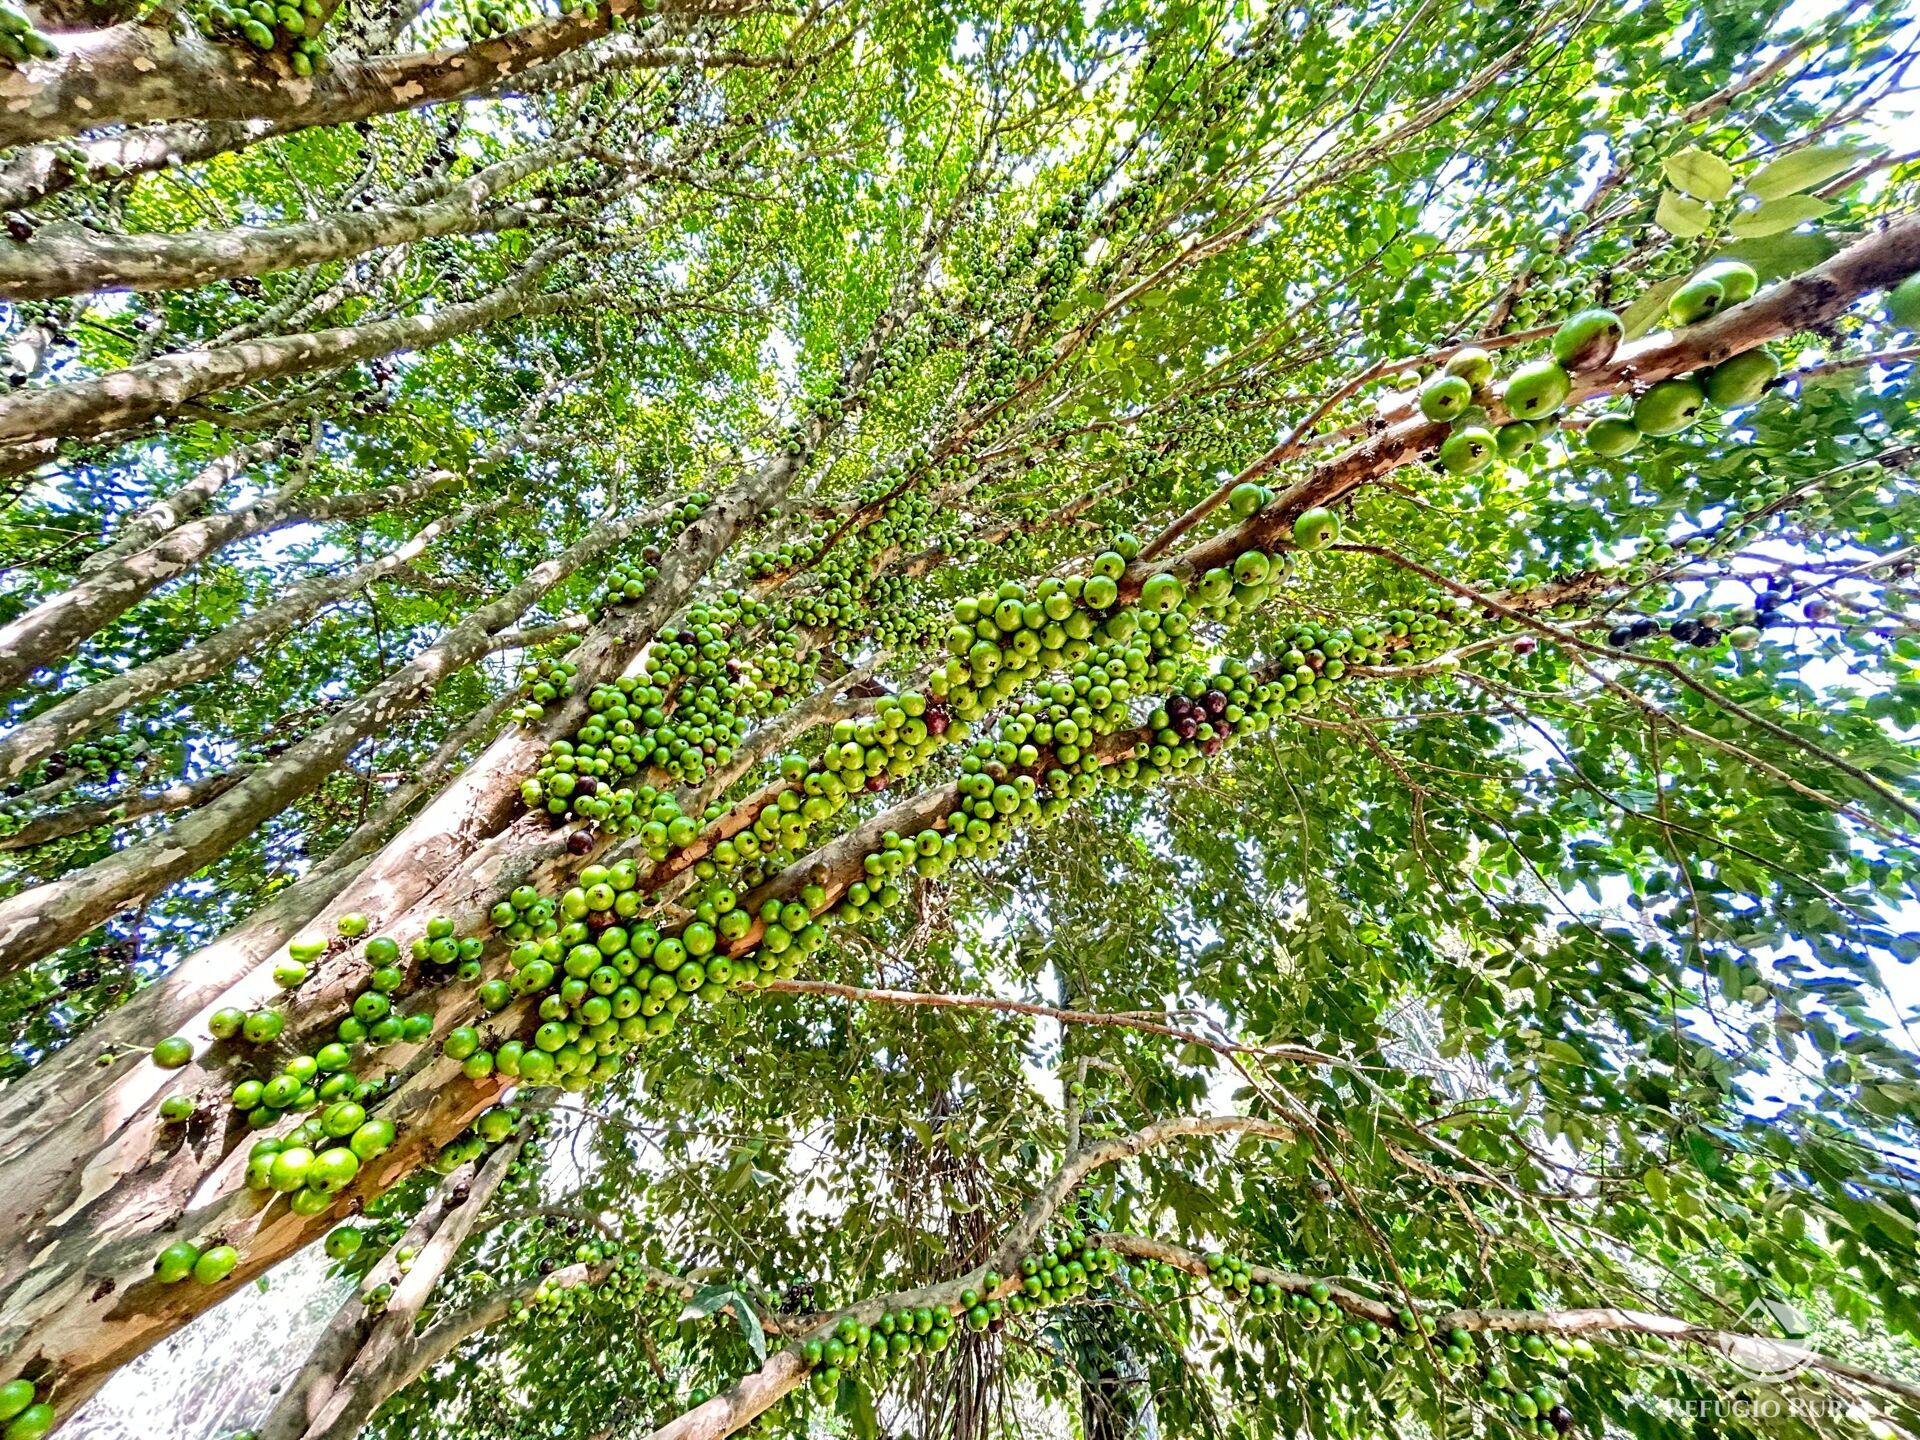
140	392
40	921
53	627
86	709
69	259
58	624
136	72
335	1380
84	1105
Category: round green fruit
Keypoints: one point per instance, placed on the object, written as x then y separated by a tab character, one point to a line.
1903	304
173	1052
33	1423
333	1170
1612	436
176	1108
288	974
1473	365
1588	339
1737	280
1669	407
352	925
15	1396
1695	301
263	1026
1444	397
215	1264
176	1262
1516	438
1468	452
1245	498
1316	528
1537	389
1742	379
345	1242
1162	593
307	948
225	1022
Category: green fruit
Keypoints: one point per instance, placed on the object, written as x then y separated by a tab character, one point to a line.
1612	436
345	1242
1444	397
1743	637
1695	301
263	1026
1109	563
33	1423
333	1170
289	1171
216	1264
225	1022
353	924
176	1108
1743	379
1669	407
289	973
1737	280
461	1043
1100	592
1245	498
307	948
15	1396
1162	593
1473	365
1587	339
1252	568
1469	451
382	950
1316	528
1516	438
1537	389
372	1139
176	1262
1903	304
173	1052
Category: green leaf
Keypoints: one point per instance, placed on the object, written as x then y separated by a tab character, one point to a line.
707	1300
1700	174
1782	214
1804	169
1643	313
750	1329
1678	215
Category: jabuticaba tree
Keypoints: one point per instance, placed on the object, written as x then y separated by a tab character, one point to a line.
1181	714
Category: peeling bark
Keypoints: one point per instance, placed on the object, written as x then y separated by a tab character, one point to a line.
85	710
51	629
134	73
69	259
140	392
37	922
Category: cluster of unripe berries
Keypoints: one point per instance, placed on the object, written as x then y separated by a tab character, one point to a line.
625	581
895	1338
267	25
543	680
24	1414
21	40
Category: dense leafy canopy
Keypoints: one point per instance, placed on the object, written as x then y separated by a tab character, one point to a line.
897	718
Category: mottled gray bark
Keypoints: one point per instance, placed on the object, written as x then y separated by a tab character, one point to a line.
70	259
86	709
90	1096
131	804
160	517
56	625
135	73
37	922
140	392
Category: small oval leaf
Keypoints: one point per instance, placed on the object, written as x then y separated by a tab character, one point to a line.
1679	216
1778	215
1804	169
1700	174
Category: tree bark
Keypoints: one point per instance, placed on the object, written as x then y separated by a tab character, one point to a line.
59	623
40	921
83	1106
140	392
1802	302
52	628
160	517
357	1344
130	804
85	710
68	259
139	72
